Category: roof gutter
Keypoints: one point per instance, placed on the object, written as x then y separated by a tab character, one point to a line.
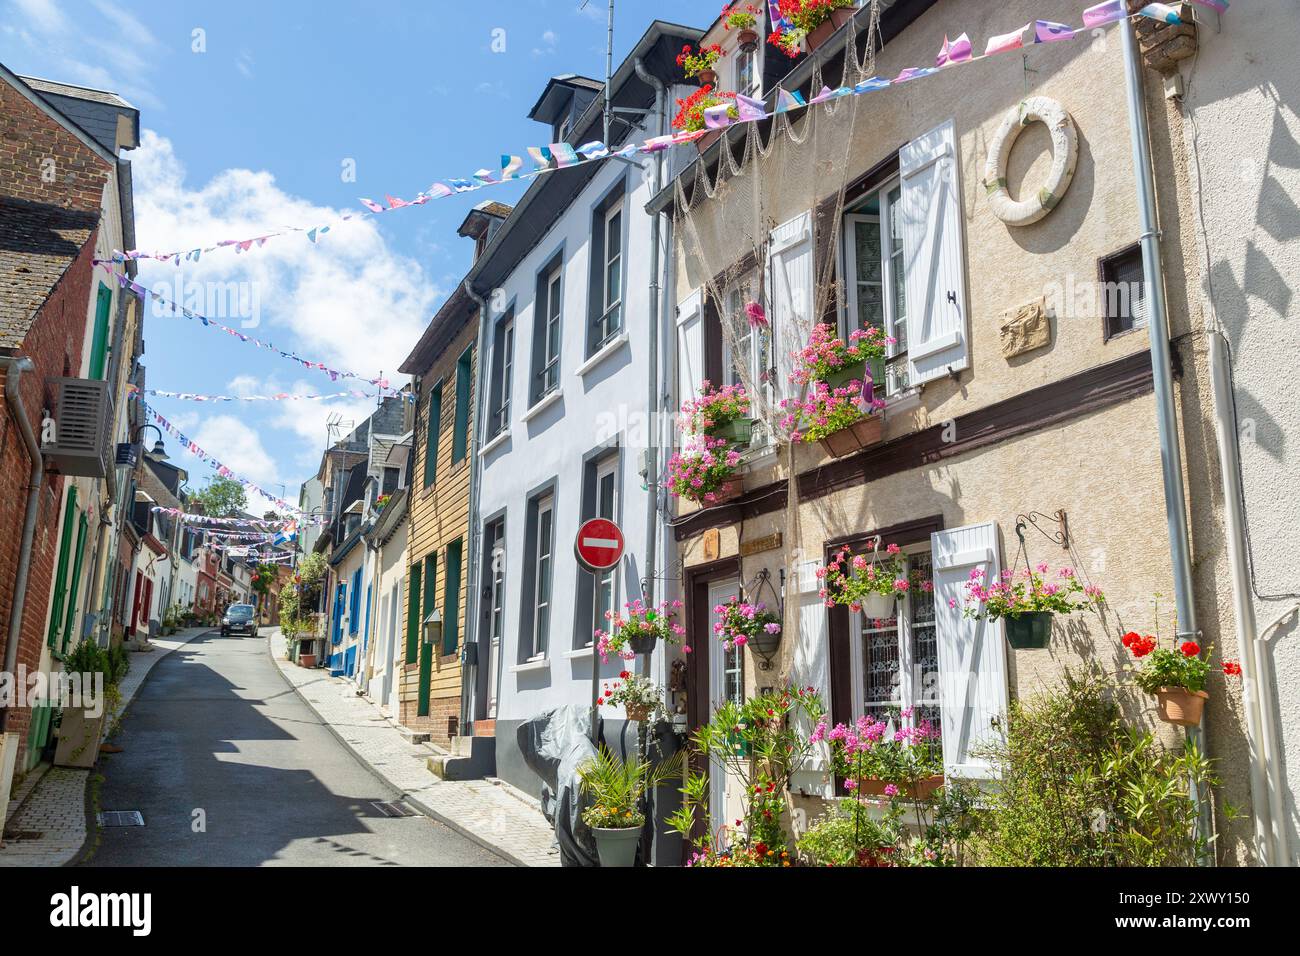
14	368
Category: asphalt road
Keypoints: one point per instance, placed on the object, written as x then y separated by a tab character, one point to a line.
230	768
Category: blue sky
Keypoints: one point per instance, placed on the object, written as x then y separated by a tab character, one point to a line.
253	131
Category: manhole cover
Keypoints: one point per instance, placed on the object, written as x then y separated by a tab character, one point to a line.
121	818
392	808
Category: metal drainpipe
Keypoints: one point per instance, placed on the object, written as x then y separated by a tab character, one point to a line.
14	369
475	543
652	466
1171	464
1265	791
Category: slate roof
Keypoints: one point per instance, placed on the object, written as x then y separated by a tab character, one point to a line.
38	243
95	111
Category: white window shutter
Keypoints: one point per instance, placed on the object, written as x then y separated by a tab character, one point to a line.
972	655
938	333
690	347
789	294
811	667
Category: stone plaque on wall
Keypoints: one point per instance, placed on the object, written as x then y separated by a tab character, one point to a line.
711	544
766	543
1026	328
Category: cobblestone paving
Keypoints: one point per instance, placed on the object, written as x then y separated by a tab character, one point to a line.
488	812
47	814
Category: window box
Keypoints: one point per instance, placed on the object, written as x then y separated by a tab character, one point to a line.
857	437
728	490
923	789
738	431
826	29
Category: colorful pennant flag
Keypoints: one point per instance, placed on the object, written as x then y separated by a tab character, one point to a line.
1006	42
1106	12
958	51
1162	12
1045	31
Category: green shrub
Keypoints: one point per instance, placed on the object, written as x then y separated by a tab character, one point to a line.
1078	787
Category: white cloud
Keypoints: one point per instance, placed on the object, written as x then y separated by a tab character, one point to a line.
349	300
547	46
42	15
237	446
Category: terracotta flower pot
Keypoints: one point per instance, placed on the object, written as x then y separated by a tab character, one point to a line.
861	434
923	789
637	712
727	491
748	40
707	140
707	78
1181	706
826	29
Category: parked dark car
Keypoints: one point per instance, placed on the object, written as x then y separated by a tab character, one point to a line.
239	619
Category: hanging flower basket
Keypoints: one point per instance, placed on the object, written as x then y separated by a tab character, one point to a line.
923	789
748	40
1181	706
707	77
826	29
860	435
643	643
766	644
876	607
1029	630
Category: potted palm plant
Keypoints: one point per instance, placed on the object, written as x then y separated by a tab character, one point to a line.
1028	601
1175	675
616	788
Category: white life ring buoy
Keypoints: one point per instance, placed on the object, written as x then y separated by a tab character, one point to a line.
1065	156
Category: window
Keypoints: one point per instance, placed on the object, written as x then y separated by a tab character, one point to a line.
896	660
460	428
391	481
874	280
748	359
61	574
1123	302
433	426
537	601
494	549
546	333
606	276
503	363
749	79
606	503
413	614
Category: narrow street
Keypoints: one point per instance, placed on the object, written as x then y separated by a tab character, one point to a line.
216	729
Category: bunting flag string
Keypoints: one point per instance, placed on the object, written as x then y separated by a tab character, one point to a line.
134	391
221	469
562	155
127	282
189	517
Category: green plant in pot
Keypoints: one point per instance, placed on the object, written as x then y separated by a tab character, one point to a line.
1027	601
616	788
871	585
745	622
719	413
1175	676
96	673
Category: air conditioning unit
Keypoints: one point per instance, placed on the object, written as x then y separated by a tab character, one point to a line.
83	426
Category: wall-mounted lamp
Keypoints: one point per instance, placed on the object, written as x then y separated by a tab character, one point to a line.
432	627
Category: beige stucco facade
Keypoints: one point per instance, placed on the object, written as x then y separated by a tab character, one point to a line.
1100	466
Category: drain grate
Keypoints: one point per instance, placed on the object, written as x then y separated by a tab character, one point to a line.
121	818
392	808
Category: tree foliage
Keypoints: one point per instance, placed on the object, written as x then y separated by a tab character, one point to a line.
221	498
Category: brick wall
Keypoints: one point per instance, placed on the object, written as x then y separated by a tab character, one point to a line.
54	344
29	140
42	162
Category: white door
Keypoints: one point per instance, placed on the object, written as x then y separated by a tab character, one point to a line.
726	682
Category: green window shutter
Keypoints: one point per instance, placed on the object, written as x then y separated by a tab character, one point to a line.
61	569
460	437
83	528
427	650
99	344
451	599
413	614
431	435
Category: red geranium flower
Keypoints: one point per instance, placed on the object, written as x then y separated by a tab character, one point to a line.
1190	648
1128	639
1232	668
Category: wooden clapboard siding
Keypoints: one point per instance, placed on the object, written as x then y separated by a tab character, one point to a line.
439	515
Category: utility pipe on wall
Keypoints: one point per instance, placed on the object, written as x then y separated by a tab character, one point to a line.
14	369
1171	464
475	531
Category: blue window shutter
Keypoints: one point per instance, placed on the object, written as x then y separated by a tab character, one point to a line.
354	611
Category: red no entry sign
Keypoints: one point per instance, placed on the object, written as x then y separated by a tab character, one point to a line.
599	544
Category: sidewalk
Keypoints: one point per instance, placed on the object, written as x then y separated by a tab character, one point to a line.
47	813
490	813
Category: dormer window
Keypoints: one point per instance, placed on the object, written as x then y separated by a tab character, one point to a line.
563	129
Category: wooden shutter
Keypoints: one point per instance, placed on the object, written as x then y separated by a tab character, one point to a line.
61	569
433	426
972	656
451	599
690	347
789	293
933	258
811	664
413	614
99	341
460	434
83	528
